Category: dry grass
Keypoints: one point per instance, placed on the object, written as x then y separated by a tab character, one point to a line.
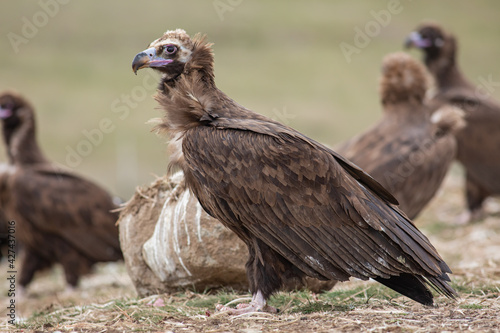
356	307
105	301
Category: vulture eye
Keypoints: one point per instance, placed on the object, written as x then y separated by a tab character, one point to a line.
439	42
170	49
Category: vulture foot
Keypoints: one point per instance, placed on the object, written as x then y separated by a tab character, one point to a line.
21	294
470	217
258	304
243	308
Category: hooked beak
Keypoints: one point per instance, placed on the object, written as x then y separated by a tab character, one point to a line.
148	58
5	113
416	40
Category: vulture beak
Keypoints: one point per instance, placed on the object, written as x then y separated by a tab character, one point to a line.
5	113
416	40
148	58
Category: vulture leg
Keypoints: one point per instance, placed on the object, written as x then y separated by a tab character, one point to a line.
266	272
74	266
30	264
475	195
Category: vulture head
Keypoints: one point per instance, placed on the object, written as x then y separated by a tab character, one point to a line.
403	79
436	44
18	125
175	53
14	112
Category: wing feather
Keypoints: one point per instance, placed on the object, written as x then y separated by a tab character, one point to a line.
56	202
306	202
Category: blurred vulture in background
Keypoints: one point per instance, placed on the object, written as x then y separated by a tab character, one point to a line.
407	151
60	217
479	141
301	209
3	234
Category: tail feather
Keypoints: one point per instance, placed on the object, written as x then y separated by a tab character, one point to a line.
441	286
413	286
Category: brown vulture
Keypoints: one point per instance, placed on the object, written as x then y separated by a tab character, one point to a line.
4	232
479	142
407	151
60	217
301	209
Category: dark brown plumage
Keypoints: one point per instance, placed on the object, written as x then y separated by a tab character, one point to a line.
60	217
300	208
407	151
4	231
479	141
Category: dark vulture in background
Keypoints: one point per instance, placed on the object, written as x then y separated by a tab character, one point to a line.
3	235
407	151
60	217
301	208
479	141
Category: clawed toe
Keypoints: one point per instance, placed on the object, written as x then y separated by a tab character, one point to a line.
242	308
258	304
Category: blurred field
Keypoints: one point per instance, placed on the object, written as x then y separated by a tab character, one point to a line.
280	58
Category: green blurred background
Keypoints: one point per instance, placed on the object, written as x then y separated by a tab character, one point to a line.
280	58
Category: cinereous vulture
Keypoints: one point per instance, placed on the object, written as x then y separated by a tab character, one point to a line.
409	150
60	217
301	208
479	142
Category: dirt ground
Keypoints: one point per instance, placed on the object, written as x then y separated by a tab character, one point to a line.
106	300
